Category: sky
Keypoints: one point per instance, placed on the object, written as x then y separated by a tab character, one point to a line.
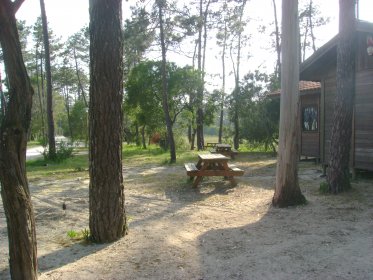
69	16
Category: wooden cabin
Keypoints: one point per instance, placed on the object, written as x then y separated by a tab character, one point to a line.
321	67
309	92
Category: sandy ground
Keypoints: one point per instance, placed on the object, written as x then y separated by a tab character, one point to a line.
213	232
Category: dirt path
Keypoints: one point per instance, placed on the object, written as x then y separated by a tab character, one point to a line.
214	232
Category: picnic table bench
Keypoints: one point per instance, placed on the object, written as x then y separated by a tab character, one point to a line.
212	165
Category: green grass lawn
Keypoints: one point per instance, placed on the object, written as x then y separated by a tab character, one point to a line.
77	165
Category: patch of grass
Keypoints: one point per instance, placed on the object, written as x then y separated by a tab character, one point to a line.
65	169
134	155
324	188
83	235
72	234
31	144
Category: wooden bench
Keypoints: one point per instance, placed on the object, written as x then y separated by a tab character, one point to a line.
191	169
234	153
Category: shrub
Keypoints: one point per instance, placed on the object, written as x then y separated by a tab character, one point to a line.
324	187
64	150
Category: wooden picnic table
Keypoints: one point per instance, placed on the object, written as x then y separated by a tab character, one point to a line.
210	145
225	149
212	165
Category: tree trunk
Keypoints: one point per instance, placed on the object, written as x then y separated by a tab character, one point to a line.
338	175
13	142
107	218
51	139
305	41
80	86
199	116
67	107
40	101
2	99
193	139
311	27
237	89
221	120
189	134
287	190
143	137
170	134
278	46
137	134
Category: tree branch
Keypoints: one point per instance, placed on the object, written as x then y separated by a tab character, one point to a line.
16	5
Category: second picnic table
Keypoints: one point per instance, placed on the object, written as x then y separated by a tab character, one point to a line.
225	149
212	165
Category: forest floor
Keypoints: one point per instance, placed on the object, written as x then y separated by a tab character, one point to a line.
213	232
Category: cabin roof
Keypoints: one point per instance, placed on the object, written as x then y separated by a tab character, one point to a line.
305	87
326	56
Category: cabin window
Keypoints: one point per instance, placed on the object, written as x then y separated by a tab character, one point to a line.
310	118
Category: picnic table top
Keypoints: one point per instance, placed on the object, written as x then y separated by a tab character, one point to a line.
212	157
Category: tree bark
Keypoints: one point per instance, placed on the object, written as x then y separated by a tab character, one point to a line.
338	175
287	191
107	218
13	142
48	73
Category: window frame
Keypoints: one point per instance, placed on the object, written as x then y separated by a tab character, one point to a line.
315	107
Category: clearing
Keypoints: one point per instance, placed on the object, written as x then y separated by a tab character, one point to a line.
213	232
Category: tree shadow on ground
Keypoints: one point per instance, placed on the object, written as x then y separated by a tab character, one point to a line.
316	241
61	257
182	194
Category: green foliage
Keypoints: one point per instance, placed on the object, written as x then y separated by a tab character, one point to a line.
86	235
143	99
72	234
137	37
79	120
259	115
63	152
83	235
324	187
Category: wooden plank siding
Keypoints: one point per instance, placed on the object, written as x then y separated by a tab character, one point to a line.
364	61
321	66
363	158
330	92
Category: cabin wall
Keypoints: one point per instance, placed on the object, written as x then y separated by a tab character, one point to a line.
364	61
362	144
329	93
324	70
363	121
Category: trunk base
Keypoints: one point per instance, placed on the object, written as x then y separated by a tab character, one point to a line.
288	199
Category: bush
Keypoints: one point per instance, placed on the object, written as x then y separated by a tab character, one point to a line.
64	151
